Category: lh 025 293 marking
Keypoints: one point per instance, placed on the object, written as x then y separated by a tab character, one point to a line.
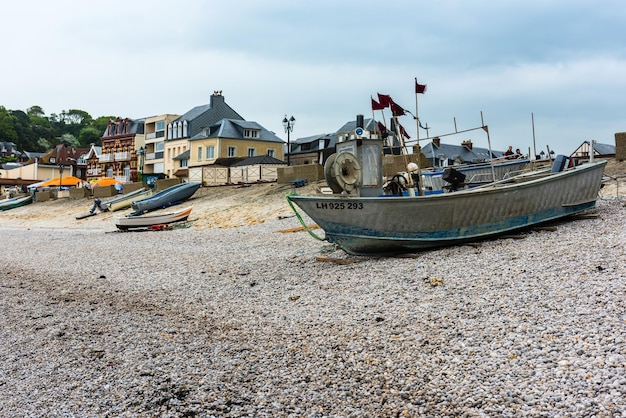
339	205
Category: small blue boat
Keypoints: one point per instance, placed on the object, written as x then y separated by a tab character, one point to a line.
165	198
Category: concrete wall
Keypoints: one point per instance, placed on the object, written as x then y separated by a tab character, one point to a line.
165	183
43	196
620	146
104	191
131	187
311	172
79	193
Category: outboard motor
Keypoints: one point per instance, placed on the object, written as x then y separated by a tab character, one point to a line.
454	177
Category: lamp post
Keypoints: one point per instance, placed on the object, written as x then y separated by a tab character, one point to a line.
61	176
288	125
140	152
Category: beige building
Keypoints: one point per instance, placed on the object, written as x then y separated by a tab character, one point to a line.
155	155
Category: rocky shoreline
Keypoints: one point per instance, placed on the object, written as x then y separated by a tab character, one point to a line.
250	321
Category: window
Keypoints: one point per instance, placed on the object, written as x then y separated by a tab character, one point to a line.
199	153
251	152
271	153
210	152
184	129
306	146
169	131
232	151
184	163
160	125
179	129
159	146
250	133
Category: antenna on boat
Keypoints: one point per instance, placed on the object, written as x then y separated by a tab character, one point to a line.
532	118
486	129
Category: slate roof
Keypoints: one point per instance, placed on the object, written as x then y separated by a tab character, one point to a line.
368	124
136	127
259	159
330	140
232	128
604	149
207	115
184	156
454	152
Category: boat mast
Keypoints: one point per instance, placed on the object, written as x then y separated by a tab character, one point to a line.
418	89
486	129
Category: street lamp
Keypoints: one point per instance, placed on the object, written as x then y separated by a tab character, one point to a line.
61	175
288	125
140	152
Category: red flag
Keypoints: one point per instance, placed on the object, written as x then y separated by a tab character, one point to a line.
376	105
384	100
396	109
381	127
403	132
420	88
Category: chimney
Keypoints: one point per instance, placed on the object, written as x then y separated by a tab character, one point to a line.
216	98
467	144
437	141
359	121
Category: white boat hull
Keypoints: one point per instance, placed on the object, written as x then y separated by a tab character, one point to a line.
146	221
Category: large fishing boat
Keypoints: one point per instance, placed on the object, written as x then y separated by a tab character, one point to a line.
364	215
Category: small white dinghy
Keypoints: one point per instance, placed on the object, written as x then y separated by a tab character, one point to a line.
152	219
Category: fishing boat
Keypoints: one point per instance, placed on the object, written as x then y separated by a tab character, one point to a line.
124	201
152	219
364	215
387	224
15	202
165	198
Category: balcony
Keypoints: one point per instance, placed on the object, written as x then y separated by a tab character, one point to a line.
155	135
122	156
94	171
106	158
154	155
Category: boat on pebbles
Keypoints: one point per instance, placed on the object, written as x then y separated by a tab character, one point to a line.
124	201
15	202
152	220
363	217
168	197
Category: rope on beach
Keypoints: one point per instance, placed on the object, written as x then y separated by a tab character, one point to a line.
304	225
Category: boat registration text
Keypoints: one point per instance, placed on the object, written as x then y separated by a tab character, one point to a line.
339	205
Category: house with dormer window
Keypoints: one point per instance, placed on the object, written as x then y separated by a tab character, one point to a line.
181	129
216	147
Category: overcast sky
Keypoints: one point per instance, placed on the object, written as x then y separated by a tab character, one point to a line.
563	61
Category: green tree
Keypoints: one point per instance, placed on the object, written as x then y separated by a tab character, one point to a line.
89	135
7	128
69	140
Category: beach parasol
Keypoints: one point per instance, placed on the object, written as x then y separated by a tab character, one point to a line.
65	181
106	181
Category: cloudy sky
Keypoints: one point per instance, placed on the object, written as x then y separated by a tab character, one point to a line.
563	61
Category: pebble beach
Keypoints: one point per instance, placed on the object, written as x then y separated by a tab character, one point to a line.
262	321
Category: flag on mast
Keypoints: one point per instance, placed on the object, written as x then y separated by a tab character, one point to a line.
420	88
396	109
403	132
376	105
384	100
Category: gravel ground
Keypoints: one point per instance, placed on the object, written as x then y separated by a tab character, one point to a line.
251	321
